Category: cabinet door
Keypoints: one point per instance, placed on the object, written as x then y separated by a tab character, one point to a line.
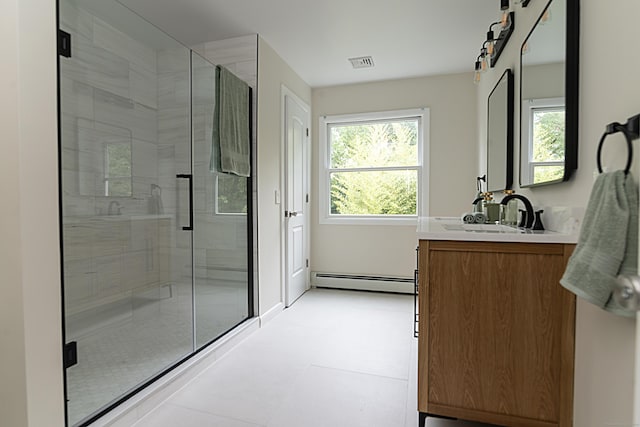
499	328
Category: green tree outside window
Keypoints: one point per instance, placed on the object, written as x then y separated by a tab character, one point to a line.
374	168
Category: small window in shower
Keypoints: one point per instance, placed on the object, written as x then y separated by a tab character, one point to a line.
117	168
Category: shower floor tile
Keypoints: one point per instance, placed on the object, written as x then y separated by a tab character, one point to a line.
126	345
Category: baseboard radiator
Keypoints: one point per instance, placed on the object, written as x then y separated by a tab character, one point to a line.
361	282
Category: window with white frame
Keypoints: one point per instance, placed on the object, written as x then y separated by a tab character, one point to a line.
372	167
544	124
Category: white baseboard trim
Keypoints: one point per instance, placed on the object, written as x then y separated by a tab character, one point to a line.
271	314
362	282
152	396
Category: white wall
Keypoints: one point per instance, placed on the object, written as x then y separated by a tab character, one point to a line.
31	390
389	250
608	92
273	72
543	81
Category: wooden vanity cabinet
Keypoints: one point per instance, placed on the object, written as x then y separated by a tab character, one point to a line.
496	333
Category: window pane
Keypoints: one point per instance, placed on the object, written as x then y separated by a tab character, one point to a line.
374	193
117	169
548	135
547	173
118	159
374	144
232	194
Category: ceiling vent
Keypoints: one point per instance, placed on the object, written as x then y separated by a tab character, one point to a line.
362	62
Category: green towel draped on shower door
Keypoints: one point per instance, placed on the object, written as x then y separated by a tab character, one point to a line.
231	137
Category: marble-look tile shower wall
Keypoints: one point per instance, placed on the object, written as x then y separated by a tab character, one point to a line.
220	250
174	149
111	89
120	89
116	88
127	304
136	118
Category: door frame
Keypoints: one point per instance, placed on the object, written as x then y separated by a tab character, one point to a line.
636	383
281	196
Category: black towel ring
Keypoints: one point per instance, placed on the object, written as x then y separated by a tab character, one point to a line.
615	128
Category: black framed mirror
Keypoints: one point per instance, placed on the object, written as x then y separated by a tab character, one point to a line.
500	134
549	96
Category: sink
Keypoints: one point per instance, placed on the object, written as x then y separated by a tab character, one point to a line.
483	228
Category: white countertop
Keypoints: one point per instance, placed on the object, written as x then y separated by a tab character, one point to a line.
449	228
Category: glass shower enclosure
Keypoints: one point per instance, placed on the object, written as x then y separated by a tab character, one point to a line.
156	245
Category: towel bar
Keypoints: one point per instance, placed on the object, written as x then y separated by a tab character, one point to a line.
631	131
627	292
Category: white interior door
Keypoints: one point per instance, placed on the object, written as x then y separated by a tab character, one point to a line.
296	198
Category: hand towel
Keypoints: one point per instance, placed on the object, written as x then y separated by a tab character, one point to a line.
479	218
629	264
602	245
231	140
467	218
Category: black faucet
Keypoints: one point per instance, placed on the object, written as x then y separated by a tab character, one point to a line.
527	204
114	208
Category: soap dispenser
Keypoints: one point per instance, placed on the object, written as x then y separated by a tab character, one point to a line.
510	212
491	208
537	223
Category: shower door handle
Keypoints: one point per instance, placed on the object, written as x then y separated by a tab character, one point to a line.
190	178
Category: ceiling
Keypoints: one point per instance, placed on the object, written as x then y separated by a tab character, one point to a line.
406	38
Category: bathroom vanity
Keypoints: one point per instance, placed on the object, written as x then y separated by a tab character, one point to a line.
98	249
496	329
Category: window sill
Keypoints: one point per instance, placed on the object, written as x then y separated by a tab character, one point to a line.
369	220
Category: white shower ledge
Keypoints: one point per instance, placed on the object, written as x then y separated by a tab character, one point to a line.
449	228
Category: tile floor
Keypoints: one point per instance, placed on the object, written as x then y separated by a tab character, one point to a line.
334	359
139	336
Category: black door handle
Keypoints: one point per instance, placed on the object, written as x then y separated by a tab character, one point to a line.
190	178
